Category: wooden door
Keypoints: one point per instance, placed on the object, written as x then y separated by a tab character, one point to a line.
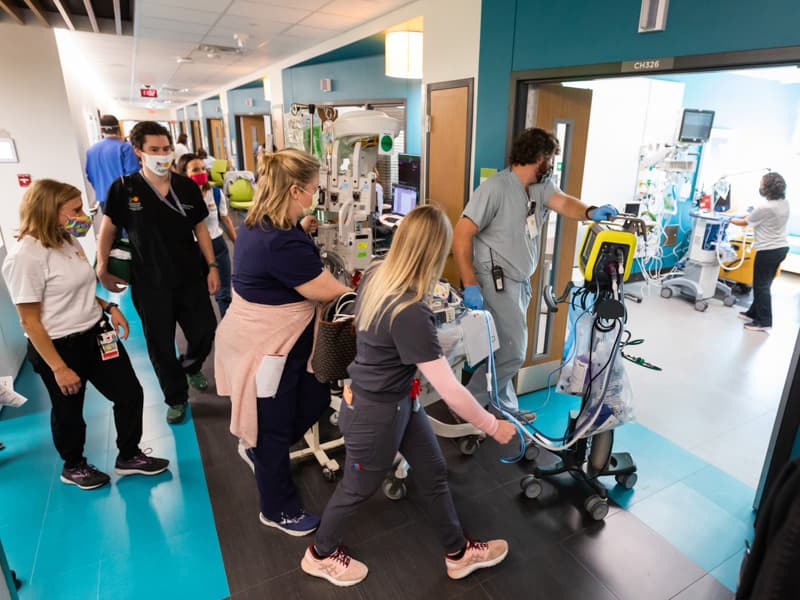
253	135
216	142
564	112
181	127
449	145
197	136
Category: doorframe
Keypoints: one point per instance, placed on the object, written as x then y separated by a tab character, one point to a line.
786	429
237	117
469	83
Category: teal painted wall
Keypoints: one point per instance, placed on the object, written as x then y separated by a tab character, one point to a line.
531	34
357	79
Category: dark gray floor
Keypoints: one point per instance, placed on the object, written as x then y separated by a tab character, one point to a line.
555	551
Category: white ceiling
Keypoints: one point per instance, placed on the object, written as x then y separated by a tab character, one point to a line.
165	30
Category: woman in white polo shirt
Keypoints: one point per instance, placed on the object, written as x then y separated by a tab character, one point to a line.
70	341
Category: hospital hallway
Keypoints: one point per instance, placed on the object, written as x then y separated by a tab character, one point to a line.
193	532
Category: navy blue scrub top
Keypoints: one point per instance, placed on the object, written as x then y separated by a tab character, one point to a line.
268	263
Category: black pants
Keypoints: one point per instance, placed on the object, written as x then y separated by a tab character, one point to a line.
160	309
373	433
765	266
282	421
114	378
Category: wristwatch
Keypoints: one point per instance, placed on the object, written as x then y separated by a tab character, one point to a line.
213	265
109	307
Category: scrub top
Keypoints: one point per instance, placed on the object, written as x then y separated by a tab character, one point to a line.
161	232
386	355
107	160
268	263
500	208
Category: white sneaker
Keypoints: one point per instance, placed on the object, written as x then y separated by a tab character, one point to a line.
243	453
339	568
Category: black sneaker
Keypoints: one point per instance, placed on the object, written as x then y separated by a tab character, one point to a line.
85	476
141	464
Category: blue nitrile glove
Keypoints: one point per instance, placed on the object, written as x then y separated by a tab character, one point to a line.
473	298
603	213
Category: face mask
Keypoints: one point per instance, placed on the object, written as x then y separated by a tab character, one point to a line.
78	226
314	202
200	178
158	164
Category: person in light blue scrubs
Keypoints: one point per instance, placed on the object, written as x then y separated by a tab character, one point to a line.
496	249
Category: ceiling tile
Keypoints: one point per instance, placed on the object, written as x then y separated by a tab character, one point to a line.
323	20
148	34
304	4
251	24
359	9
187	15
244	8
208	5
310	33
170	25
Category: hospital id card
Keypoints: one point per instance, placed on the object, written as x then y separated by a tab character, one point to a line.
533	226
108	345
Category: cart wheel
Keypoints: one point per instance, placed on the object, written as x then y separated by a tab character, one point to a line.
597	507
394	489
729	301
666	292
627	481
329	474
531	487
701	306
532	452
334	419
468	445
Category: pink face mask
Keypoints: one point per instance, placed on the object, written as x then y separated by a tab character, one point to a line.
200	178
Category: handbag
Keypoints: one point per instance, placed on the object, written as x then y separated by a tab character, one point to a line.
335	344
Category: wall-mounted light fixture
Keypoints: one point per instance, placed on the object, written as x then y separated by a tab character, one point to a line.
653	16
404	54
267	89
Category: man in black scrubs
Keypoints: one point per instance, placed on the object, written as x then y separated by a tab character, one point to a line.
172	275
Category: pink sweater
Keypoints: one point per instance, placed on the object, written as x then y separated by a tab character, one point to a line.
244	336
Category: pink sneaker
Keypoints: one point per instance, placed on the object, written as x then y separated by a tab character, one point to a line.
478	555
339	568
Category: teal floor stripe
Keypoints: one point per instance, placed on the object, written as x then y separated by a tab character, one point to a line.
703	512
140	537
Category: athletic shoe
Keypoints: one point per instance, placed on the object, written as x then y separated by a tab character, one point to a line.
753	326
744	316
245	453
477	555
198	381
339	568
85	476
298	525
141	464
176	413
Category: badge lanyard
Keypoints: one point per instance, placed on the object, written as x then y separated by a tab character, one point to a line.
177	207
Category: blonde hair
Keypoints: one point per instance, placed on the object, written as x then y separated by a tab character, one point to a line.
412	266
278	172
38	213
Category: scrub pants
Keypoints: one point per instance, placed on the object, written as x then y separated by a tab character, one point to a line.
160	309
223	259
282	420
510	311
765	267
373	433
114	378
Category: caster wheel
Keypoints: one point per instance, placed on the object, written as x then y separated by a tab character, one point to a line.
394	489
701	306
597	507
531	487
329	474
334	419
666	292
532	452
468	445
729	301
627	481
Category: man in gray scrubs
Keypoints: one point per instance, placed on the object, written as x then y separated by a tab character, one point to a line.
496	249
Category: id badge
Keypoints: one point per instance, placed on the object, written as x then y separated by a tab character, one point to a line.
533	226
108	345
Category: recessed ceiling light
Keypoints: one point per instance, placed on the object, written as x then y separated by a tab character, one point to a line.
184	59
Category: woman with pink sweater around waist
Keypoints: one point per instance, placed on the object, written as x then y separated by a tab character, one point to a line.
396	335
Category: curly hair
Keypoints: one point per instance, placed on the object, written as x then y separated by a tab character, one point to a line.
145	128
532	145
773	186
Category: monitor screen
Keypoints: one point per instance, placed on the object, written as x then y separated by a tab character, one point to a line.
405	199
408	170
696	125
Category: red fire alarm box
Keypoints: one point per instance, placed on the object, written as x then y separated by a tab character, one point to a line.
24	179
